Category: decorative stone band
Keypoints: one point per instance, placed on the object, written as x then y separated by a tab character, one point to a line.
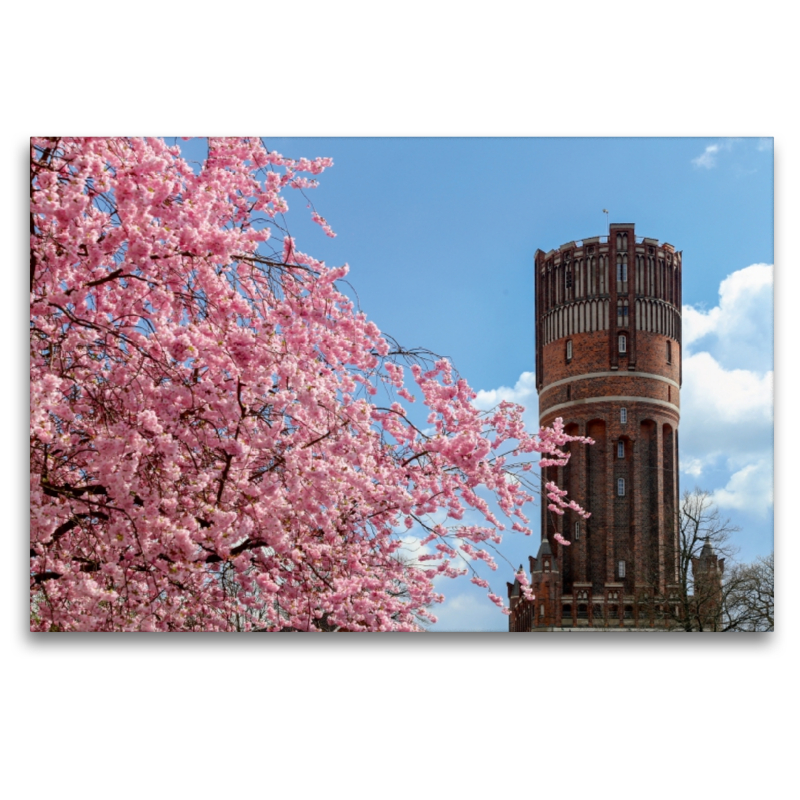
617	374
621	398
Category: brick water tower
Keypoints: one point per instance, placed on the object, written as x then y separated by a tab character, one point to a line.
608	362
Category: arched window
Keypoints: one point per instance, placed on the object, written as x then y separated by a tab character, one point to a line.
623	343
620	449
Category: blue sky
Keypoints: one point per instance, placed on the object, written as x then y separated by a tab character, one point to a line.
440	234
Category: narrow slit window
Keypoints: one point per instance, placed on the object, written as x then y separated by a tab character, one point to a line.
577	531
620	449
569	349
669	351
623	415
623	343
621	569
621	487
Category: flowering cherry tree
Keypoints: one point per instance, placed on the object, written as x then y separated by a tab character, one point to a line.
207	451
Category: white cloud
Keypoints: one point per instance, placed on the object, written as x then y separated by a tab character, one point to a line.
708	158
727	392
524	389
692	466
737	332
724	414
467	612
697	323
524	393
750	489
736	396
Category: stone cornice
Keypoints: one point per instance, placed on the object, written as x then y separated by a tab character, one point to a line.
610	399
610	374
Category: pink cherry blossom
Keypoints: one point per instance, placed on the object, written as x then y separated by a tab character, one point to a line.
208	446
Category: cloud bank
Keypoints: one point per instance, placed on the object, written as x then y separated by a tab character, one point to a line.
738	331
727	392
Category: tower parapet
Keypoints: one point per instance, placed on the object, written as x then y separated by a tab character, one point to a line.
612	286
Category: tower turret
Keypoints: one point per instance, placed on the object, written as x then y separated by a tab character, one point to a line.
706	604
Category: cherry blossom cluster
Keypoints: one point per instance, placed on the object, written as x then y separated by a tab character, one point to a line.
206	450
557	497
